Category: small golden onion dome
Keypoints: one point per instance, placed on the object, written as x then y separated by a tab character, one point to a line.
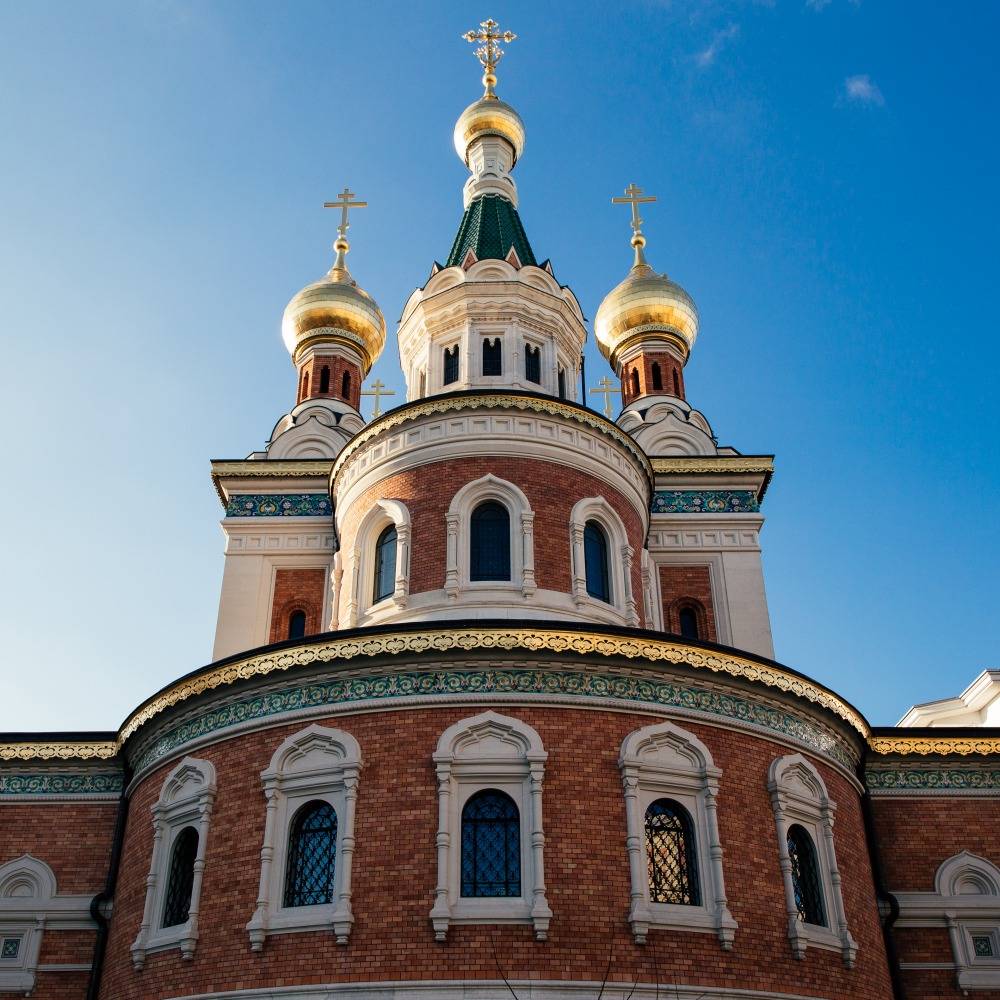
489	116
645	305
331	309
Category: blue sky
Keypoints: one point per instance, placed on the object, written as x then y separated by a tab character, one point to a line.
826	175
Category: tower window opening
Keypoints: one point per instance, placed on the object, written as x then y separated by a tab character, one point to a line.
805	877
385	565
595	557
533	364
296	625
687	621
451	365
677	383
635	383
491	845
180	882
670	854
324	379
562	383
492	357
489	556
312	852
657	377
345	386
305	386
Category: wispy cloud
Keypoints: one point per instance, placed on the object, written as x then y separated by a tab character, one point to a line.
707	56
861	90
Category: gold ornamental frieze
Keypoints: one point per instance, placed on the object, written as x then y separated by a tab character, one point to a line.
55	750
934	745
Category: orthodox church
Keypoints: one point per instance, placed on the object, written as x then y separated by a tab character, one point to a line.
493	708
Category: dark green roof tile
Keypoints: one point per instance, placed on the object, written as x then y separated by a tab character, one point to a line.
490	227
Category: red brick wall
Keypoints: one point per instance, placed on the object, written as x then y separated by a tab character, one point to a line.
687	586
670	369
313	370
297	590
552	490
395	870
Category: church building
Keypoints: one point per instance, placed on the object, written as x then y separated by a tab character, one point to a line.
493	709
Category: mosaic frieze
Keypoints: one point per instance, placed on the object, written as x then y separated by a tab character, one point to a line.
933	778
704	502
279	505
500	682
60	784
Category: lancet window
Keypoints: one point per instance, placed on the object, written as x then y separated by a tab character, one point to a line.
489	553
595	549
532	363
312	853
181	881
492	356
491	845
385	565
670	851
451	365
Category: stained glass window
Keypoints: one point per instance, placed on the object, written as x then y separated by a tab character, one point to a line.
805	877
312	852
673	866
491	846
385	564
180	881
489	558
595	557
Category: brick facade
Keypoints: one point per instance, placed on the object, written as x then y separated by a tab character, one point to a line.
297	590
312	379
639	377
687	587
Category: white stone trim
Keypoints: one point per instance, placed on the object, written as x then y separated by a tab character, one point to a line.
620	556
522	547
316	763
799	796
185	801
359	608
666	761
490	751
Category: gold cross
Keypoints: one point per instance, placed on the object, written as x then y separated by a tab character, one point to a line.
379	390
344	202
490	53
633	198
607	387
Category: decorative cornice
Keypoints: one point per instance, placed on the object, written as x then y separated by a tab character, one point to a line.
279	505
722	464
55	750
475	401
332	649
925	745
933	779
704	502
266	469
46	784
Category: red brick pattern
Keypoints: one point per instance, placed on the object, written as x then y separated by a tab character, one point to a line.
671	376
297	590
586	873
311	379
687	587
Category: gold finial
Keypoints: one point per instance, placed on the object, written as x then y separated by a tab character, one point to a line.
489	53
341	245
632	197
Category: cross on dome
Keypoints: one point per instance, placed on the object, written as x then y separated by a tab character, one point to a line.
343	202
632	197
489	53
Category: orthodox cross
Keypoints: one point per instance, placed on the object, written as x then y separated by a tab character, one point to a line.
490	53
378	391
344	202
632	197
607	387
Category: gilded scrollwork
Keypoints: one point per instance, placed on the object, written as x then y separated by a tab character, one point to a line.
926	745
53	750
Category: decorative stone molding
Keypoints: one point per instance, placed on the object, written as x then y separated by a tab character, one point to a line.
63	786
359	596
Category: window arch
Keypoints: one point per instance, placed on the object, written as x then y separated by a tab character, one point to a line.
675	855
306	860
670	853
595	558
324	378
345	386
491	845
181	879
312	855
803	819
297	624
489	542
385	565
490	840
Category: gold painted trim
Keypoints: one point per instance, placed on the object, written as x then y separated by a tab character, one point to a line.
264	469
934	745
550	406
506	640
717	463
58	751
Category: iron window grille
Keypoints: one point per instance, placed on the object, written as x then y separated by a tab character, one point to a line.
312	853
595	557
385	565
489	557
673	867
491	846
180	881
492	357
805	877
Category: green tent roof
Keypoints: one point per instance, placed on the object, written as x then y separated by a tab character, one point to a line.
490	227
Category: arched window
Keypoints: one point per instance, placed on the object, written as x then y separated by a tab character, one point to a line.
532	363
312	852
345	386
805	877
491	846
385	565
305	386
489	556
324	379
657	376
180	882
296	625
451	365
595	557
670	854
492	357
687	620
677	383
635	383
562	383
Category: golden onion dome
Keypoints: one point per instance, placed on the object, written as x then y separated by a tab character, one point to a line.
334	308
489	116
646	305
